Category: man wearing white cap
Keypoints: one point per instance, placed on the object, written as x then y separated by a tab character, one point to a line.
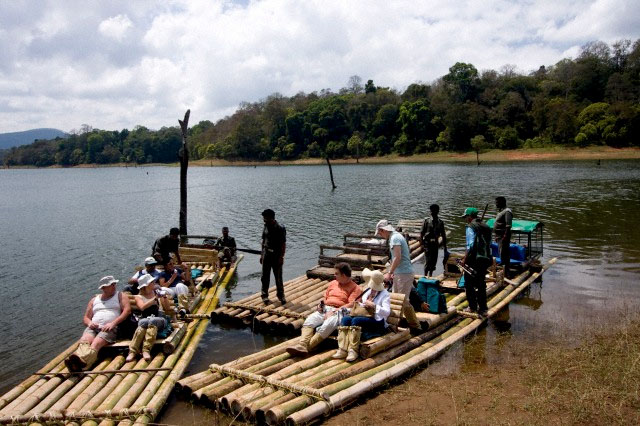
102	316
149	268
401	269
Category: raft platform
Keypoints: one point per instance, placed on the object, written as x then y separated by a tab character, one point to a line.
114	391
273	387
305	292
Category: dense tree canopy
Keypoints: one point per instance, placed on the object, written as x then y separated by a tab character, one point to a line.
594	99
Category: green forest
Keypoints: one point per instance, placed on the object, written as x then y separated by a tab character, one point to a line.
591	100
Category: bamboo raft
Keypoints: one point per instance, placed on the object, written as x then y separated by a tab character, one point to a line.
272	387
304	292
115	391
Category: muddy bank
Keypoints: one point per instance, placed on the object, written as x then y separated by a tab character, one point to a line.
595	382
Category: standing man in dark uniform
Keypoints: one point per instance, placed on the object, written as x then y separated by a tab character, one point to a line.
166	245
502	232
274	242
432	230
478	258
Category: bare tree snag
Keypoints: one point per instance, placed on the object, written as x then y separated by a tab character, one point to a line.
183	154
331	174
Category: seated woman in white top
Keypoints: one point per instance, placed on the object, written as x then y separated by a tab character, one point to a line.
368	315
152	321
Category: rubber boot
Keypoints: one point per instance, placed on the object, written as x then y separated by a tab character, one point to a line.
343	343
302	348
136	342
410	316
354	343
315	341
149	340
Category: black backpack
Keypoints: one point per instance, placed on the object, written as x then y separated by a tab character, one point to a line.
480	255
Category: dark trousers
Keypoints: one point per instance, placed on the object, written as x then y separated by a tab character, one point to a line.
476	290
505	255
430	257
272	263
370	327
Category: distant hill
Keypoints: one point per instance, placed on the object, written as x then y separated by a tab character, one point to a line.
8	140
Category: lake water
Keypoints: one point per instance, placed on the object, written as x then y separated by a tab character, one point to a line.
63	229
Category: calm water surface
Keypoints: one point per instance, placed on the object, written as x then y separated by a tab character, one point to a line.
64	229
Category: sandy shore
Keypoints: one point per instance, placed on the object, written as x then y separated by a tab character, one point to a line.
534	154
601	153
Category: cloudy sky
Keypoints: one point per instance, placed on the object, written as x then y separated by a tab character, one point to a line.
117	64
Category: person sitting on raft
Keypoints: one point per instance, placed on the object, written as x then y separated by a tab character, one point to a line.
152	303
149	268
367	319
172	280
340	293
103	314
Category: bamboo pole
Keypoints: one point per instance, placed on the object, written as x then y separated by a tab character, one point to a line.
389	340
9	409
31	380
69	383
125	392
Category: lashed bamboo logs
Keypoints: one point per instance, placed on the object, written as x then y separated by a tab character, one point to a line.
259	402
32	380
113	388
401	366
162	393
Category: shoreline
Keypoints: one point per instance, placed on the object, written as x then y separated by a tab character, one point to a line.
586	379
595	153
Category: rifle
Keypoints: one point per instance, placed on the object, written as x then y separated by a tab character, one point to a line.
486	206
219	248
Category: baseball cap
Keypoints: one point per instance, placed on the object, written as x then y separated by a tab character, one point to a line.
105	281
384	225
150	261
470	211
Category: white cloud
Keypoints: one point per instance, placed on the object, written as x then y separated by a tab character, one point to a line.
115	27
119	64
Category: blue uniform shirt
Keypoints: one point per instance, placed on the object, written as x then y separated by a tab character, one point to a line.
471	236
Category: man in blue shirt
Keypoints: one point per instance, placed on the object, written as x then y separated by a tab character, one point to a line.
474	284
401	269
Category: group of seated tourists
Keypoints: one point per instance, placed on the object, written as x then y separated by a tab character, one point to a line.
109	313
348	309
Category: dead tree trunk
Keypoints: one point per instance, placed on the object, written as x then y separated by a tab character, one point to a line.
333	185
183	154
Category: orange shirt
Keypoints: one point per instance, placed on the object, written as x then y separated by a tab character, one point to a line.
339	295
